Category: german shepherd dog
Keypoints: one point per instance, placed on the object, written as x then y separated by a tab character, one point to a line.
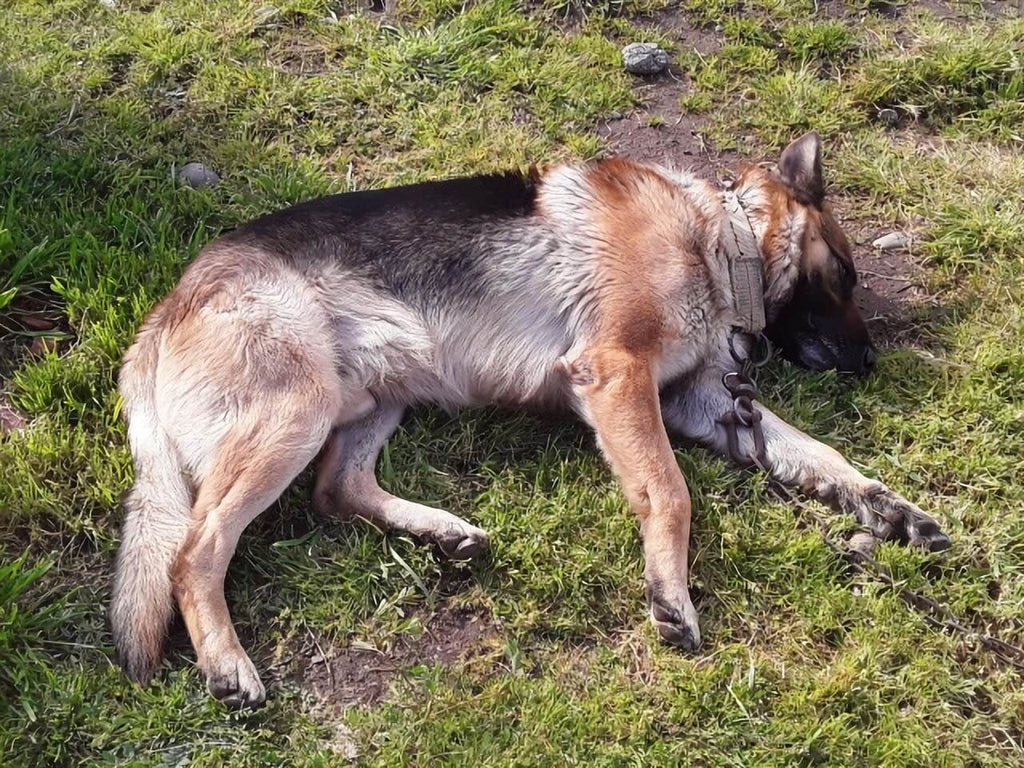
600	287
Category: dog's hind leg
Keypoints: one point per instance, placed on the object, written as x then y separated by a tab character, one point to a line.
347	487
253	464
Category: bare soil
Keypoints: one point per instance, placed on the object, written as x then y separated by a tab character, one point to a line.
939	8
660	131
356	676
890	285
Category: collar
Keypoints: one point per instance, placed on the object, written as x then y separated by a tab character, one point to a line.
746	267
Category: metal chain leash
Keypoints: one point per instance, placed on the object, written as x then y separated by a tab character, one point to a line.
751	352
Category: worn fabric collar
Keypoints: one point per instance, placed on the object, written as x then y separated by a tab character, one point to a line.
746	267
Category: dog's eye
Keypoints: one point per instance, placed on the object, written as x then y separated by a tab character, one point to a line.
846	273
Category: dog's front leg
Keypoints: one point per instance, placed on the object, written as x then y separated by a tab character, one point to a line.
617	394
692	408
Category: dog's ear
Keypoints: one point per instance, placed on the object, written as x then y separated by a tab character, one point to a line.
800	167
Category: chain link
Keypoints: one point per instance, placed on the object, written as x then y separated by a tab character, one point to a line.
750	352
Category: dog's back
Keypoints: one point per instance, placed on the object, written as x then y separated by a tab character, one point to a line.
457	292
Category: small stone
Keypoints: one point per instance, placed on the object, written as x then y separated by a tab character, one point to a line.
894	241
644	58
43	345
888	116
862	543
197	175
111	4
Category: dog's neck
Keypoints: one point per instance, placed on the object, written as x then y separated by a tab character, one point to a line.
776	228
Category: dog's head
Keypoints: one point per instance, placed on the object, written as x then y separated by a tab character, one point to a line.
813	319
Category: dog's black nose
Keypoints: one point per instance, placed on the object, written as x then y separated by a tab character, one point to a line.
870	356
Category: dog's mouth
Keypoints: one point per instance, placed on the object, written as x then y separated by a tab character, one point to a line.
817	354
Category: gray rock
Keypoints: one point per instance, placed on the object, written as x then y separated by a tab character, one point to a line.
111	4
644	58
197	175
888	116
894	241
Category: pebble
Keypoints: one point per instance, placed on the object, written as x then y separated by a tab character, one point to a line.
43	345
644	58
111	4
888	116
894	241
197	175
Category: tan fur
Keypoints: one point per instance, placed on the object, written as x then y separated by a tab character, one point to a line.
823	241
620	397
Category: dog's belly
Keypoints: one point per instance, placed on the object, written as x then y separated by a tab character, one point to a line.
492	353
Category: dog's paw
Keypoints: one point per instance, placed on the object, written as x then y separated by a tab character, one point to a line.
890	516
463	543
674	617
918	528
235	683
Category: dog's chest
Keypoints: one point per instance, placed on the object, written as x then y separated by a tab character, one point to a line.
695	316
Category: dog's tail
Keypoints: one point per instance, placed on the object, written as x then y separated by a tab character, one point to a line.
158	517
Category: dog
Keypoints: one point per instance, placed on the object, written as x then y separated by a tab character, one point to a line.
602	287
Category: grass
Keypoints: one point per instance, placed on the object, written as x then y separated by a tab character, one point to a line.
805	664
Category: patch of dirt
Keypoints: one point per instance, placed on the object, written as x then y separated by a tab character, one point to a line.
661	131
360	676
890	285
955	11
841	9
11	419
677	25
886	288
297	54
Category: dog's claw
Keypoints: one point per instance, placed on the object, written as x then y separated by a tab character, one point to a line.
890	516
665	614
678	628
924	532
237	685
467	547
